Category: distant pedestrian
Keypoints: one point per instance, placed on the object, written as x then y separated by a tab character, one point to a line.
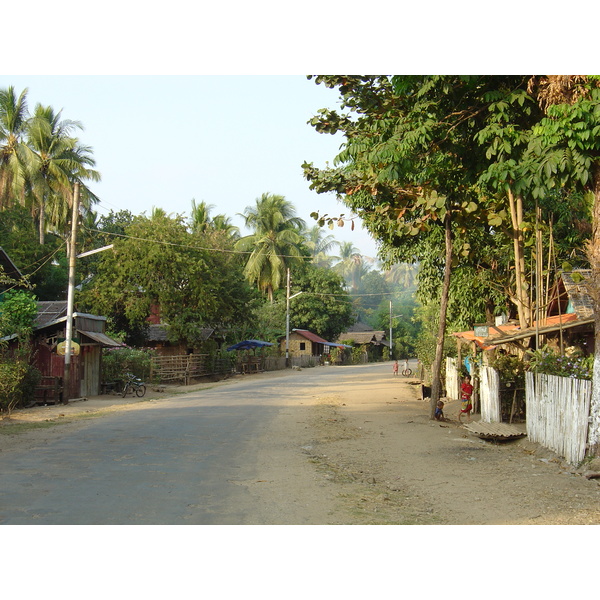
466	390
395	368
406	364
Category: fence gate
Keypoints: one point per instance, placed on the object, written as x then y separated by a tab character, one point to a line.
489	393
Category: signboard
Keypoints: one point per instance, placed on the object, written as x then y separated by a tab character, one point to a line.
62	346
481	331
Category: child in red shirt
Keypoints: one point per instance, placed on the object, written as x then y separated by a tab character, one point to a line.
466	390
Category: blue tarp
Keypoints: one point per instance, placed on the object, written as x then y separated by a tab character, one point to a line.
249	345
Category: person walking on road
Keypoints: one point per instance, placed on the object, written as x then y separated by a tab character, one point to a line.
395	368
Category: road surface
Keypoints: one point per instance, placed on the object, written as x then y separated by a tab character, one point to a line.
177	461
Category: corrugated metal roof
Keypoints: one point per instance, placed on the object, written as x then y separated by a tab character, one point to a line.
503	334
50	311
496	430
101	338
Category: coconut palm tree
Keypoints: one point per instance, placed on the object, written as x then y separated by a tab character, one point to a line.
275	244
223	223
319	245
351	265
200	216
53	161
13	118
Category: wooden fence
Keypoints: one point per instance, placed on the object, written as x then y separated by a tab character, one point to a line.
452	379
489	395
185	367
557	414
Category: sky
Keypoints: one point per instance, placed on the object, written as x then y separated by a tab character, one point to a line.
161	141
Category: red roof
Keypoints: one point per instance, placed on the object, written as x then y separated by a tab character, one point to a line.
313	337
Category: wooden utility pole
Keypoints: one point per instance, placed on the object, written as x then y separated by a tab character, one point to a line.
70	294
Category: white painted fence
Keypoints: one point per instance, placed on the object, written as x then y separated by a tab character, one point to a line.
489	395
557	414
452	379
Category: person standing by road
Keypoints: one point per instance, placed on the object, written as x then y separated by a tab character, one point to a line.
395	368
466	391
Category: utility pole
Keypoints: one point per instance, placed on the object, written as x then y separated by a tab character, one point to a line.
391	339
70	294
287	322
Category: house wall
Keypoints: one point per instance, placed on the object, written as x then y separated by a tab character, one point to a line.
51	364
296	349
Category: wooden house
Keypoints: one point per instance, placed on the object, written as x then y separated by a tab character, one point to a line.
89	337
305	343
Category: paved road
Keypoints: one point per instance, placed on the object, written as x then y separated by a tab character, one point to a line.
173	462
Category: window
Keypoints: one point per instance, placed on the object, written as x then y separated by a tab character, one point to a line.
302	345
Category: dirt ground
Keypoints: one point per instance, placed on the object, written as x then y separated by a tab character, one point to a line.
369	454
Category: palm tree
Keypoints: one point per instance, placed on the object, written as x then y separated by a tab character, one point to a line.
275	244
351	265
13	118
200	217
223	223
53	161
319	246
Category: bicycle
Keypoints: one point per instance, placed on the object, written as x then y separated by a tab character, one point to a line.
407	372
133	385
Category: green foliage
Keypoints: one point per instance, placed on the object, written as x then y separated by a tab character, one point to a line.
357	355
510	368
18	380
571	364
194	279
18	310
118	361
44	267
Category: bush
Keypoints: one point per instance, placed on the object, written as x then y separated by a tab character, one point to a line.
17	384
118	361
571	364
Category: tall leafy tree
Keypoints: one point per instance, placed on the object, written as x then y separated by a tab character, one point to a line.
566	152
158	262
275	244
403	167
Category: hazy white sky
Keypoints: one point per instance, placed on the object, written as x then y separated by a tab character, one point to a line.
161	141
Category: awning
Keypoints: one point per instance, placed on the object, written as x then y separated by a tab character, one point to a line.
101	338
532	331
249	345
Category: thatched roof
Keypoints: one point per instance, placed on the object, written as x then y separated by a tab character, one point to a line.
361	338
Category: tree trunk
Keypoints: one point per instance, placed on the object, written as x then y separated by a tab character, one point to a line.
594	291
436	378
42	227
